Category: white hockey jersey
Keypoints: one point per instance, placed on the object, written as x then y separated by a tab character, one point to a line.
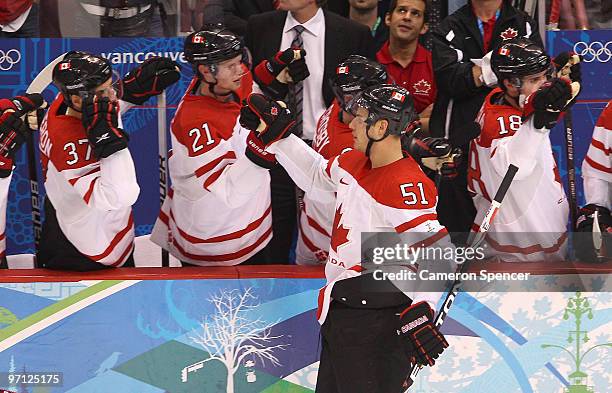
597	165
218	212
531	225
93	198
395	198
332	137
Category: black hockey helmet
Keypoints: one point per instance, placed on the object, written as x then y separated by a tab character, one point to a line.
80	72
213	45
354	74
389	102
517	58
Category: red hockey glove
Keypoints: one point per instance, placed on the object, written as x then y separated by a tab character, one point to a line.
423	342
149	79
255	151
547	103
275	120
99	118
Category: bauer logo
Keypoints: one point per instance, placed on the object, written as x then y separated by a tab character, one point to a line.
9	58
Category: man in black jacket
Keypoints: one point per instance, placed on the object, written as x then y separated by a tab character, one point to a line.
461	44
327	39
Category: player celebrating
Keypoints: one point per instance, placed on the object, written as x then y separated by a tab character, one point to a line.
515	120
218	212
375	189
333	136
13	133
89	173
597	175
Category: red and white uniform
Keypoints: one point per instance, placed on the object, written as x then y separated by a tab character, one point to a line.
5	183
218	212
93	198
597	165
397	197
332	137
531	225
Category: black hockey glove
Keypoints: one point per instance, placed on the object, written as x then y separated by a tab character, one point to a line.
255	151
149	79
435	154
274	74
298	69
13	132
567	65
275	120
584	242
101	124
547	103
422	340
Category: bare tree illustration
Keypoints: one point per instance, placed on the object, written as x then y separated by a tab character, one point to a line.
230	335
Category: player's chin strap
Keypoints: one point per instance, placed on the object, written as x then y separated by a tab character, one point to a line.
211	85
372	140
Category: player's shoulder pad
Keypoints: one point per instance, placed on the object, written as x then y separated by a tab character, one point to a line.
605	119
352	161
402	185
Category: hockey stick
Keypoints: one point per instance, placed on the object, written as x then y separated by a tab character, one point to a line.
163	161
565	72
571	168
38	85
475	242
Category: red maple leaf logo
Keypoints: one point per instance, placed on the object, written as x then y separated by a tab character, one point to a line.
508	33
422	87
339	232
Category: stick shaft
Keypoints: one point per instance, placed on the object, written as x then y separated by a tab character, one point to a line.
486	223
163	162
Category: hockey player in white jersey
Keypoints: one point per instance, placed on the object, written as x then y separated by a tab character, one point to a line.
218	211
333	136
88	171
375	189
597	181
515	122
14	131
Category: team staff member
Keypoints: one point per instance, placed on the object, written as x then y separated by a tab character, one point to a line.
408	63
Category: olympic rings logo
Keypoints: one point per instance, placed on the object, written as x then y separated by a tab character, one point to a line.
9	58
593	51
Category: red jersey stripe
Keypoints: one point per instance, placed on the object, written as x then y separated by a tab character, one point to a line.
415	222
223	257
212	164
118	237
222	238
